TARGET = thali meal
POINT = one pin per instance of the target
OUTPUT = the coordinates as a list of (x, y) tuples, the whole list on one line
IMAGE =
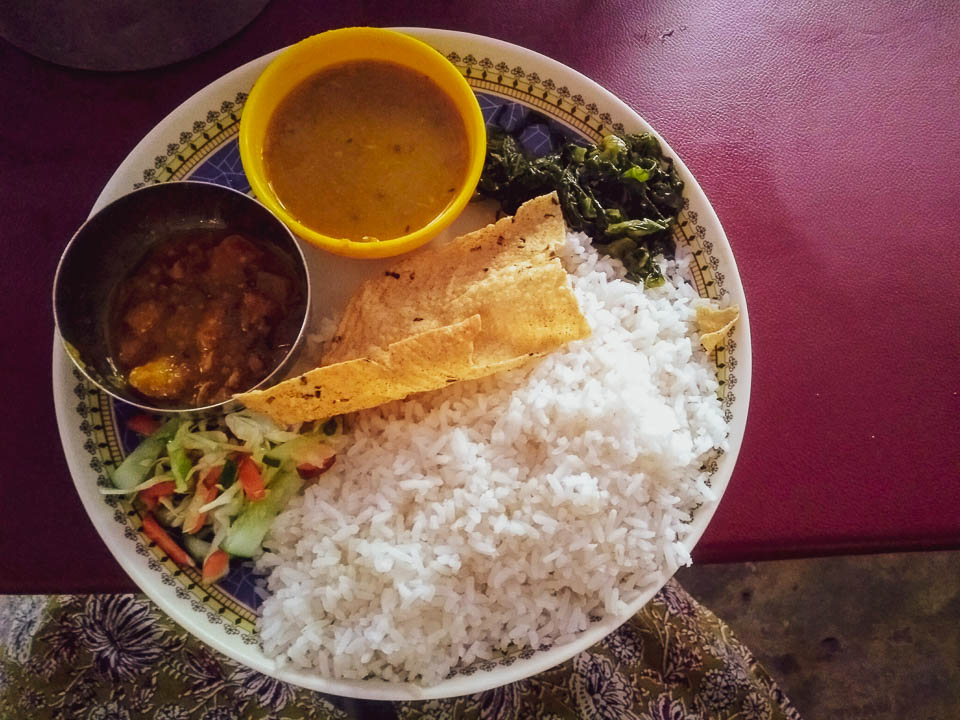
[(366, 150), (504, 435), (203, 316)]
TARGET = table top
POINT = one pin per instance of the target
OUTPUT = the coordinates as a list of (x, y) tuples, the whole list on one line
[(825, 138)]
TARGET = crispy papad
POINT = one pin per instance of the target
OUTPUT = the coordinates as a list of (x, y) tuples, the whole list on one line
[(507, 272), (480, 304), (426, 361)]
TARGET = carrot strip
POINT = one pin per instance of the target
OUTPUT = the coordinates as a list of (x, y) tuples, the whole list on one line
[(251, 480), (209, 490), (215, 566), (152, 494), (159, 490), (152, 530), (213, 476)]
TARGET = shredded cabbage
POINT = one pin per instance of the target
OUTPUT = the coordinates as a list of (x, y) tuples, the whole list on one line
[(150, 482), (222, 499), (254, 428)]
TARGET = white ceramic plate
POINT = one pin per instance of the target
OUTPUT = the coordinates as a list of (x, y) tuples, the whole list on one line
[(540, 101)]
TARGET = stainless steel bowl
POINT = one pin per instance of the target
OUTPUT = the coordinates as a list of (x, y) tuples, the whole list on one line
[(113, 241)]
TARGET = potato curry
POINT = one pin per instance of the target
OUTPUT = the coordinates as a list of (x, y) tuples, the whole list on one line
[(201, 318)]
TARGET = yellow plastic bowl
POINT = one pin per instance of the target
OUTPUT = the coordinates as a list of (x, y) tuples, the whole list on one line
[(335, 47)]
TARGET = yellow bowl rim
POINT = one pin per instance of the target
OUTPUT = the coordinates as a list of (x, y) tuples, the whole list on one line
[(259, 101)]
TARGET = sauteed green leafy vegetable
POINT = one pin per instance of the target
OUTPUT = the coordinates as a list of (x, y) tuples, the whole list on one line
[(624, 193)]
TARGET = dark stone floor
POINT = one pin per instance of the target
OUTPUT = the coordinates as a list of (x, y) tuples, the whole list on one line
[(867, 637)]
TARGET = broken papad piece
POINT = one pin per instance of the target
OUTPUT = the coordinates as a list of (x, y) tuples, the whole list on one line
[(507, 272), (427, 361), (715, 323)]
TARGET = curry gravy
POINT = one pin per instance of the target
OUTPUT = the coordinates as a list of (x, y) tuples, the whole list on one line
[(203, 316), (366, 150)]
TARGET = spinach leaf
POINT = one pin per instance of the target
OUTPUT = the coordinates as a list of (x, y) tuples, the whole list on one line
[(623, 193)]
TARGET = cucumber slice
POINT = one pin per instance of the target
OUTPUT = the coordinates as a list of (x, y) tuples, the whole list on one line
[(198, 549), (248, 530), (138, 464)]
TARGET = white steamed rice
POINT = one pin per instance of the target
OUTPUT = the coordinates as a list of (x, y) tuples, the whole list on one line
[(506, 510)]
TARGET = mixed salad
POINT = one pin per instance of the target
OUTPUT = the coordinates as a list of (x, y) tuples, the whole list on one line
[(208, 489)]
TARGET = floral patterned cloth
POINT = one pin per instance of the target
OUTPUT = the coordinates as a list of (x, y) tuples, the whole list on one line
[(118, 657)]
